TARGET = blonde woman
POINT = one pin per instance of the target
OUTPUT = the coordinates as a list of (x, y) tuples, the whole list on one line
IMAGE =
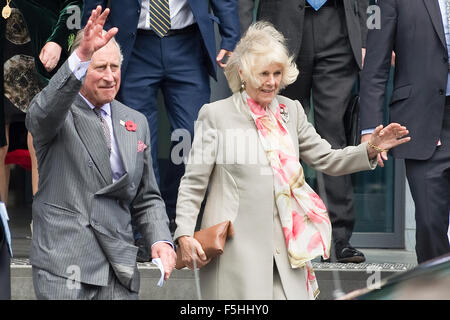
[(247, 149)]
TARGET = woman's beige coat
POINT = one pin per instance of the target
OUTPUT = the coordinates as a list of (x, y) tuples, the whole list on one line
[(227, 155)]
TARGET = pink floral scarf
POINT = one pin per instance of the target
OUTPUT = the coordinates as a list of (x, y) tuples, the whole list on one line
[(304, 217)]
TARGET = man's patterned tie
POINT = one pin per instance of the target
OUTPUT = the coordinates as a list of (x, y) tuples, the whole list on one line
[(106, 131), (159, 17)]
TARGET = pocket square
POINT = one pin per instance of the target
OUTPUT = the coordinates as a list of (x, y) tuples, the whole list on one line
[(141, 146)]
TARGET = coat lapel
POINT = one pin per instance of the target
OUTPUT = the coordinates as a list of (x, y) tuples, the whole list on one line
[(241, 106), (126, 140), (436, 18), (91, 133)]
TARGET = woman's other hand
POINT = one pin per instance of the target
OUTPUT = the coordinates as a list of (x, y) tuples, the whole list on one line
[(191, 250), (383, 139), (381, 157)]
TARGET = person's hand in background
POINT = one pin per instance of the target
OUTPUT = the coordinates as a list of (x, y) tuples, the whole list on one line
[(222, 57), (50, 54)]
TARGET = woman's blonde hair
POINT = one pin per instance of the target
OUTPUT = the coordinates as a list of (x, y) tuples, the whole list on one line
[(260, 46)]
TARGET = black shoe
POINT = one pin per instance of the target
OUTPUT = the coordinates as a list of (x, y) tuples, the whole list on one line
[(347, 255), (350, 255), (143, 254)]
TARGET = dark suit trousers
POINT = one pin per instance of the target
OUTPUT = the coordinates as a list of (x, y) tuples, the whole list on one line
[(429, 181), (5, 267), (176, 65), (328, 71)]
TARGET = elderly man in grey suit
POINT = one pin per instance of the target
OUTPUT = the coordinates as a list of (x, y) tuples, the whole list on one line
[(96, 176)]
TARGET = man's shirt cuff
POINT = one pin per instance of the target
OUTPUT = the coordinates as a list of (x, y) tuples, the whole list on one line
[(168, 242), (78, 67), (367, 131)]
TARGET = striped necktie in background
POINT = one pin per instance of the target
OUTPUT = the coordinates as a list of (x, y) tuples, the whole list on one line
[(159, 17)]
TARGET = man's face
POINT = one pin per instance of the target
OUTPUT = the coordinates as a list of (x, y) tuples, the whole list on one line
[(103, 76)]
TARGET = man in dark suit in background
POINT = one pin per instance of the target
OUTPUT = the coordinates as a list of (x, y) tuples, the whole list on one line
[(96, 177), (327, 41), (418, 32), (179, 63)]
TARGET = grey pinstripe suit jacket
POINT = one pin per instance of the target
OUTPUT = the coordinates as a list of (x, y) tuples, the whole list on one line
[(81, 218)]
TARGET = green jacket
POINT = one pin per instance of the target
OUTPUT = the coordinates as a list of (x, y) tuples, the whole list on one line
[(47, 21)]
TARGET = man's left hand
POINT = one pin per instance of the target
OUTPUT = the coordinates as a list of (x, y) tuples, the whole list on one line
[(220, 57), (168, 257)]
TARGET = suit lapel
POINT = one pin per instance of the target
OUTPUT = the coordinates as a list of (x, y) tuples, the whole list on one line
[(436, 18), (126, 140), (90, 132)]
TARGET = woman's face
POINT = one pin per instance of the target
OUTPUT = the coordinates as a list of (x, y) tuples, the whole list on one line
[(269, 79)]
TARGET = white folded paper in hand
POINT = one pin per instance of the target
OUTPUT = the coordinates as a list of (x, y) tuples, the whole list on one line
[(158, 263)]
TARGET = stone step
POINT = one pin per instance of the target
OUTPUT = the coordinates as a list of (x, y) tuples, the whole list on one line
[(181, 285), (336, 279)]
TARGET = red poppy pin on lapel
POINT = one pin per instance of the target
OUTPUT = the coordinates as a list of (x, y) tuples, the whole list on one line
[(129, 125), (284, 113)]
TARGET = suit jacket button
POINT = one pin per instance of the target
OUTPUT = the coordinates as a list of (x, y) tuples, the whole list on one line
[(441, 92), (90, 163)]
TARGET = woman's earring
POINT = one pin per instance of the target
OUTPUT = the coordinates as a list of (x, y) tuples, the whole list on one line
[(242, 85)]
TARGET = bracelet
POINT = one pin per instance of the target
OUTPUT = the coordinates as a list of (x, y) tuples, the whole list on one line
[(377, 148)]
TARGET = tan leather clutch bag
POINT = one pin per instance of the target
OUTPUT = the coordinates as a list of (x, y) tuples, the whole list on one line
[(212, 240)]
